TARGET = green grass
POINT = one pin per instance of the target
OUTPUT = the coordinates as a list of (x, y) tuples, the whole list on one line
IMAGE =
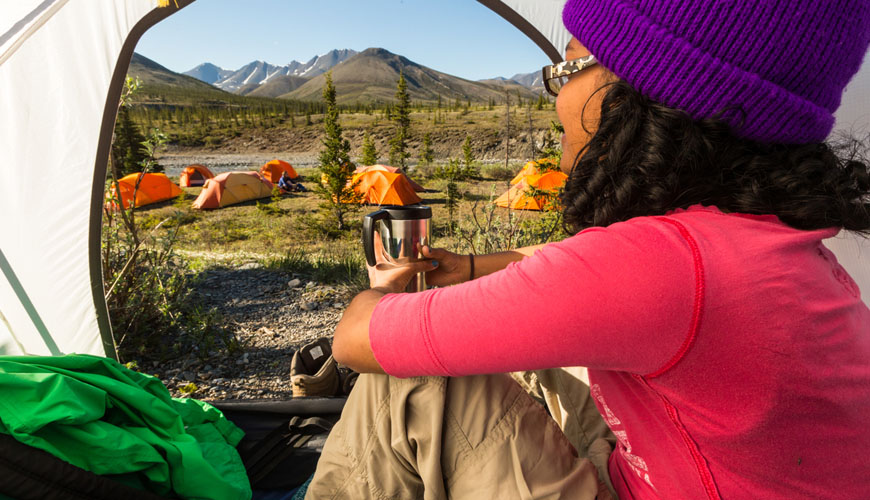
[(283, 227)]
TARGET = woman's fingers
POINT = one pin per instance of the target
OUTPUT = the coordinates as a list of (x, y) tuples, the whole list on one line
[(433, 253)]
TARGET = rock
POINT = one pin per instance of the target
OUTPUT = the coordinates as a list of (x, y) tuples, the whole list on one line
[(337, 305), (188, 376), (295, 282), (309, 306), (249, 266)]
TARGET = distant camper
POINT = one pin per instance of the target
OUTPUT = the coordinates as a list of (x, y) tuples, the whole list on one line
[(289, 185)]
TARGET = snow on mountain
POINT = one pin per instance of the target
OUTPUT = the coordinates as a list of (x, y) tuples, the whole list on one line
[(252, 75), (323, 63), (533, 80), (208, 73)]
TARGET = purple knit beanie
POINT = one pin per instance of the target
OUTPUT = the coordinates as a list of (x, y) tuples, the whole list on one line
[(783, 63)]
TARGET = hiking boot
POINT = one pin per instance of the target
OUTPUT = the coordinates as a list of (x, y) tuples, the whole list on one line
[(313, 370), (347, 379)]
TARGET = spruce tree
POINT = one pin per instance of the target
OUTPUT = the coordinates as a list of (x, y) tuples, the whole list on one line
[(369, 152), (427, 155), (335, 159), (127, 146), (468, 155), (401, 115)]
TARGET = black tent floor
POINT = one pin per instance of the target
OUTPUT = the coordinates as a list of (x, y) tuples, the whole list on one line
[(32, 474), (259, 417)]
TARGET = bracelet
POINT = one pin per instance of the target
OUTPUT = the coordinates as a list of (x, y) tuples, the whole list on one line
[(471, 260)]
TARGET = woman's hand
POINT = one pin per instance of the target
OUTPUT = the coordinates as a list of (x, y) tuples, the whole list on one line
[(389, 277), (394, 278), (452, 268)]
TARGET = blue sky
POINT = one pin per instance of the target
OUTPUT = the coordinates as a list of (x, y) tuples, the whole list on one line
[(458, 37)]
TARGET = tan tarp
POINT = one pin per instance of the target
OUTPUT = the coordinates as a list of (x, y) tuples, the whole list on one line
[(232, 187)]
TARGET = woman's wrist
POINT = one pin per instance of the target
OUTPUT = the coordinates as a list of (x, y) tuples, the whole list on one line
[(481, 265)]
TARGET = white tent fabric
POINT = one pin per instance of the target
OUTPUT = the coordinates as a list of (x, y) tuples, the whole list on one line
[(57, 58), (540, 20), (62, 64)]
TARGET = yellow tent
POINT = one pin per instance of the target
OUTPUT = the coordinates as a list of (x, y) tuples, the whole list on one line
[(232, 187), (519, 197)]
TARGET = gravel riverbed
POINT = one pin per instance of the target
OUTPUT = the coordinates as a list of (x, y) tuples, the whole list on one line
[(272, 314)]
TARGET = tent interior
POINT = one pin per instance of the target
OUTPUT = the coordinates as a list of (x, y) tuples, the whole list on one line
[(194, 175), (66, 124)]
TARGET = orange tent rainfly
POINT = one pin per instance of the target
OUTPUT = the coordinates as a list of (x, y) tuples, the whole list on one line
[(378, 187), (272, 171), (535, 167), (194, 175), (152, 188), (519, 197), (395, 170), (232, 187)]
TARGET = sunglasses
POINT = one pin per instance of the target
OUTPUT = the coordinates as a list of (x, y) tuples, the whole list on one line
[(556, 75)]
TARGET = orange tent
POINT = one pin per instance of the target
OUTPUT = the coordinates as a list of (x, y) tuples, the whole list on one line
[(533, 167), (232, 187), (378, 187), (394, 170), (152, 188), (272, 170), (518, 196), (194, 175)]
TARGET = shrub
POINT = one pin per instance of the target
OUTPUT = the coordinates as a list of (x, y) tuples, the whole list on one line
[(454, 170), (494, 229), (334, 266), (147, 291), (498, 172)]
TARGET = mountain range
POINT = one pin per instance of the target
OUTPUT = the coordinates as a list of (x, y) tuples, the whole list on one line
[(366, 77), (255, 74)]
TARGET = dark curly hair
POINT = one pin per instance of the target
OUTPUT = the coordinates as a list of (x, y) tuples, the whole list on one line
[(648, 159)]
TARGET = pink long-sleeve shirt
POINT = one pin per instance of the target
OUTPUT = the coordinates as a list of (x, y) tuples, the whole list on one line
[(729, 353)]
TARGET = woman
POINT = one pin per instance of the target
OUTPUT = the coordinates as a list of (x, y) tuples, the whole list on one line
[(728, 352)]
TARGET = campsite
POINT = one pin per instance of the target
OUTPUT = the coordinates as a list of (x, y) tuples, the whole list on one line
[(190, 241), (277, 282)]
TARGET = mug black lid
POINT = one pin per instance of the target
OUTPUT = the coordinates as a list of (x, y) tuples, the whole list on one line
[(408, 212)]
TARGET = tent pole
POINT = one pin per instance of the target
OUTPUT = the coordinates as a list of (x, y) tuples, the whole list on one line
[(526, 27)]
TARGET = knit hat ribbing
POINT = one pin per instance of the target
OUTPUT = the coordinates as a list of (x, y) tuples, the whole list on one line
[(783, 63)]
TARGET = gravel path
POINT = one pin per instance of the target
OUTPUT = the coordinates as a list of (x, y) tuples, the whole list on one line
[(218, 163), (272, 314)]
